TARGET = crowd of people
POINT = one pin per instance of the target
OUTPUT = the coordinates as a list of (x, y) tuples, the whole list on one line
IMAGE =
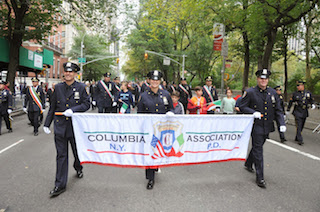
[(153, 96)]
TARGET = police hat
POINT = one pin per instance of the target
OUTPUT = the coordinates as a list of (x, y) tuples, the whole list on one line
[(208, 78), (300, 82), (69, 66), (34, 79), (278, 87), (155, 75), (108, 74), (2, 82), (183, 78), (263, 73), (116, 78)]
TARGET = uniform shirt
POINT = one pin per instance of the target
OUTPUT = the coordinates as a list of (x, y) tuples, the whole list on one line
[(266, 102), (102, 97), (155, 103), (145, 87), (29, 101), (212, 92), (50, 93), (301, 101), (74, 97), (185, 93), (5, 101)]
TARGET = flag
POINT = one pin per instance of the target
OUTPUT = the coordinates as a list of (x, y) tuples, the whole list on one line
[(123, 108), (214, 105), (177, 146), (237, 97), (157, 148)]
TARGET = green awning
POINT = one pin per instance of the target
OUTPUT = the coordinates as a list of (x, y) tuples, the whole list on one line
[(4, 50)]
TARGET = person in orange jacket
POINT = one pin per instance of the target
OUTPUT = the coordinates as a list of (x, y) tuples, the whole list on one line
[(197, 104)]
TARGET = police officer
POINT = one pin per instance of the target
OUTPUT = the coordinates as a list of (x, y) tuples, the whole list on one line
[(146, 84), (5, 106), (209, 93), (35, 101), (185, 92), (281, 134), (172, 87), (50, 93), (154, 101), (69, 97), (117, 85), (302, 100), (105, 92), (264, 103)]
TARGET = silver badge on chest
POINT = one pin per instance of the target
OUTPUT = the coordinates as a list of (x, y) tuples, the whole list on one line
[(76, 95), (165, 100), (273, 99)]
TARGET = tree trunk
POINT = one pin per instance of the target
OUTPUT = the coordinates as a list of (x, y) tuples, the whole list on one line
[(245, 82), (308, 48), (271, 38), (285, 63)]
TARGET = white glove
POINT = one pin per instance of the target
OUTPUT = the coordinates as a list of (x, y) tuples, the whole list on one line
[(285, 117), (46, 130), (43, 110), (114, 104), (47, 104), (313, 106), (283, 128), (257, 115), (25, 110), (287, 113), (94, 103), (9, 111), (217, 110), (68, 113), (170, 113)]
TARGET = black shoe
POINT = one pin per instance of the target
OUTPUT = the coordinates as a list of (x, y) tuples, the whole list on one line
[(80, 174), (30, 124), (283, 140), (261, 183), (248, 168), (36, 134), (57, 191), (10, 131), (300, 142), (150, 184)]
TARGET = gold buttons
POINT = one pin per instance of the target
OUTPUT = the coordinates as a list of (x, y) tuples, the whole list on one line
[(67, 118), (156, 104), (157, 110)]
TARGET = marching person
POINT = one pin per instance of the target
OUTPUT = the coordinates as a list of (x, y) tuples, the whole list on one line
[(125, 97), (281, 134), (117, 85), (69, 97), (264, 103), (209, 92), (154, 101), (197, 104), (146, 84), (92, 93), (50, 93), (177, 106), (185, 92), (302, 100), (105, 92), (172, 87), (5, 106), (35, 102)]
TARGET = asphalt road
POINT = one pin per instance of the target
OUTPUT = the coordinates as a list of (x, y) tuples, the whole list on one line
[(27, 174)]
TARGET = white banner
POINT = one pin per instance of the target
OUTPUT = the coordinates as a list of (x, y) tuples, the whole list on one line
[(143, 140)]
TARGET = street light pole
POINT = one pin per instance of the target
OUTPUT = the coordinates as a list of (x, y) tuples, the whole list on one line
[(183, 62), (81, 56)]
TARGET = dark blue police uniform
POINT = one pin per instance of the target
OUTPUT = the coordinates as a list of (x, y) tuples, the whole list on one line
[(34, 110), (281, 134), (185, 94), (154, 103), (210, 94), (102, 97), (301, 101), (266, 102), (5, 104), (76, 98)]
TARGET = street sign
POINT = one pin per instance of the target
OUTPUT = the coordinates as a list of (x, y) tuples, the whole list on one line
[(82, 60), (166, 61), (224, 49), (218, 31)]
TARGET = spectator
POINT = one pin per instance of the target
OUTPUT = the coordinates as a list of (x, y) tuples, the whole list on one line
[(228, 103), (197, 104), (177, 106)]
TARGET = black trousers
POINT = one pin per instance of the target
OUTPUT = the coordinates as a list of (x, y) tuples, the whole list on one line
[(256, 154), (6, 120), (150, 174), (62, 159), (104, 109), (281, 134), (299, 125), (115, 109), (34, 118)]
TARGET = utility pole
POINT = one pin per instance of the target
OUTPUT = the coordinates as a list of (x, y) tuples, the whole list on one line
[(183, 63), (81, 56)]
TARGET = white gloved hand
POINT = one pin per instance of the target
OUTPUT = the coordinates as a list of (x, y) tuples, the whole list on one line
[(283, 128), (257, 115), (287, 113), (94, 103), (217, 110), (46, 130), (284, 117), (47, 104), (114, 104), (170, 113), (25, 110), (9, 111), (68, 113), (313, 106), (43, 110)]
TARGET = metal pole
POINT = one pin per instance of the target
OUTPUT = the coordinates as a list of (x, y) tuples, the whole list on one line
[(183, 61), (81, 62), (222, 75)]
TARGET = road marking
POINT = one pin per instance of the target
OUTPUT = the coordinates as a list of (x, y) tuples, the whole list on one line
[(294, 150), (12, 145)]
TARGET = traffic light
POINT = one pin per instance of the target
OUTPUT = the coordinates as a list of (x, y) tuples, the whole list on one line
[(146, 56), (118, 60)]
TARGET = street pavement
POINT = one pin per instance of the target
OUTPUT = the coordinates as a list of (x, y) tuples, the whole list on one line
[(27, 174)]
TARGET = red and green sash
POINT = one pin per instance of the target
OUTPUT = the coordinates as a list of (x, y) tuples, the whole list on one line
[(35, 97), (185, 90), (106, 88), (208, 92)]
